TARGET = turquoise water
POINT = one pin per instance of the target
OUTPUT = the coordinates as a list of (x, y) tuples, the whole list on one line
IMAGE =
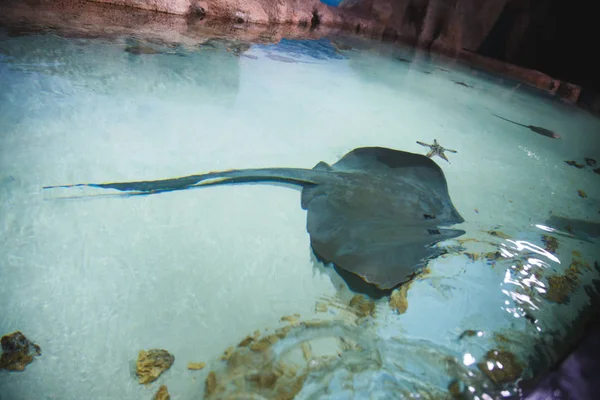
[(94, 279)]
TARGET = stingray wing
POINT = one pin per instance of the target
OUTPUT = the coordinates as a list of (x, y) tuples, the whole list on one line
[(380, 248), (380, 214)]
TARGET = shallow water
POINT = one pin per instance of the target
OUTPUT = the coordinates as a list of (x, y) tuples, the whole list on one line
[(95, 279)]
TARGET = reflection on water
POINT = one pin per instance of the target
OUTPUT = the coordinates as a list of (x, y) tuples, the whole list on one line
[(199, 272), (321, 49), (139, 67)]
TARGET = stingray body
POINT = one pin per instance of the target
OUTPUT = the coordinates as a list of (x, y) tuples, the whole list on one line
[(376, 213), (536, 129)]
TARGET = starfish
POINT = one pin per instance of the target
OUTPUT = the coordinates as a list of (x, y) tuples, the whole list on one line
[(436, 149)]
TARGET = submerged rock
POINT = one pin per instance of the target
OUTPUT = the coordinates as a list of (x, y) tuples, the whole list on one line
[(470, 333), (550, 243), (162, 394), (501, 366), (362, 306), (398, 299), (498, 234), (254, 369), (196, 366), (17, 352), (152, 363), (562, 286), (210, 384)]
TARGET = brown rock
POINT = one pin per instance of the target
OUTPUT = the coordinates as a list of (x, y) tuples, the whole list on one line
[(17, 352), (227, 353), (180, 7), (362, 306), (492, 256), (321, 307), (211, 384), (562, 286), (501, 366), (455, 389), (162, 394), (569, 92), (253, 369), (292, 319), (196, 366), (470, 333), (152, 363), (398, 299), (528, 76), (550, 243), (310, 12)]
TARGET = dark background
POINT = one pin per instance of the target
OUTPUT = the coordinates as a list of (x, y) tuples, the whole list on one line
[(561, 39)]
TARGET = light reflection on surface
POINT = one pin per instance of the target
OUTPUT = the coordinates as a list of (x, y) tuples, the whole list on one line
[(524, 245), (545, 228), (468, 359)]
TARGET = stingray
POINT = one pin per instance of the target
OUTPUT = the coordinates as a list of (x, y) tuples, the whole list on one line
[(536, 129), (376, 213), (404, 60), (463, 84), (575, 164), (581, 229)]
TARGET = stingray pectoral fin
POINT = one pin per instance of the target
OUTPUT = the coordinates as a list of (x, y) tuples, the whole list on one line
[(290, 175), (384, 250), (384, 265), (389, 264)]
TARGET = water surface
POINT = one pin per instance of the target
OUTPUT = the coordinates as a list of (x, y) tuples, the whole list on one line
[(93, 280)]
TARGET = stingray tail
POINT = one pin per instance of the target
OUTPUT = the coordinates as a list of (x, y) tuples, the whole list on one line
[(508, 120), (288, 175)]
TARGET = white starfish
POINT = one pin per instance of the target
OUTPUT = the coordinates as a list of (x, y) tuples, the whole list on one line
[(436, 149)]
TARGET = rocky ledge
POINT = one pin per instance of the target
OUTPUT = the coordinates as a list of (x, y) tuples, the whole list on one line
[(452, 29), (306, 12)]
